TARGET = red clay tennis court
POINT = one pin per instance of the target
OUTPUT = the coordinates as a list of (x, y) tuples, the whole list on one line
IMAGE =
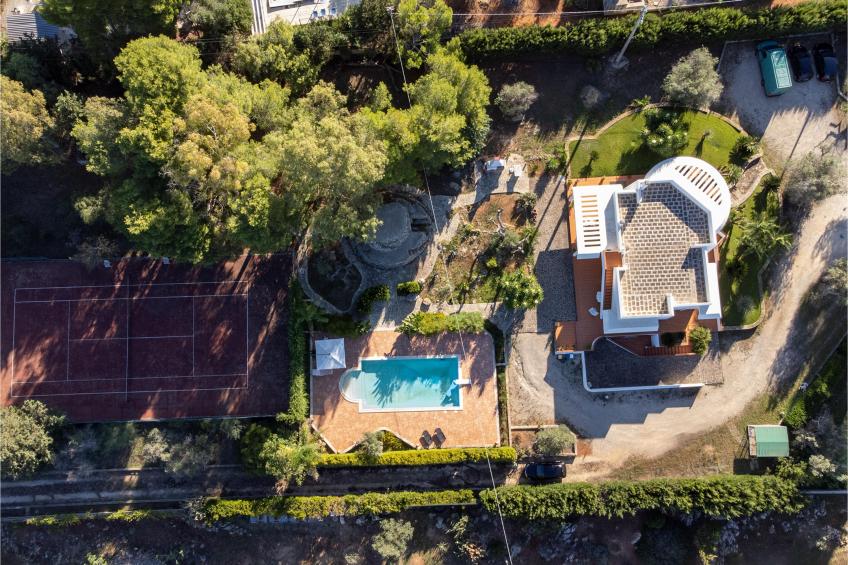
[(155, 341)]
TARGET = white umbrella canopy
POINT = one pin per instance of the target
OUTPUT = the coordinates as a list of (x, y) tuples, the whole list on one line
[(329, 354)]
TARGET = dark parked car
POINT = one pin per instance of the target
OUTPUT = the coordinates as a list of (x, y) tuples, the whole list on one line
[(825, 59), (802, 62), (544, 471)]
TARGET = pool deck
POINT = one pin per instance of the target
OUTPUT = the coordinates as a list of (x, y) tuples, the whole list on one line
[(342, 425)]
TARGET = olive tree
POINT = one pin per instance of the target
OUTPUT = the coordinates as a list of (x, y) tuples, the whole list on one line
[(553, 441), (814, 178), (515, 99), (694, 81), (393, 540)]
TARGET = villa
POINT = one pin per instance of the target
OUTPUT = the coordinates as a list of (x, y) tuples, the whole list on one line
[(645, 258), (416, 387)]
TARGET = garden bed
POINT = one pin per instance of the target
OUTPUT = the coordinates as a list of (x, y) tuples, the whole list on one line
[(741, 296), (468, 278), (621, 150)]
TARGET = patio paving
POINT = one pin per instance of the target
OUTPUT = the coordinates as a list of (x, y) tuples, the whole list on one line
[(609, 365), (342, 425)]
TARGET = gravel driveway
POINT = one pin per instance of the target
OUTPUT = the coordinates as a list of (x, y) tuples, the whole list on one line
[(790, 125)]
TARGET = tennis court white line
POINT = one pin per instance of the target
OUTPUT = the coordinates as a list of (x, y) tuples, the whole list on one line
[(90, 380), (132, 337), (157, 391), (127, 298), (14, 349), (68, 345), (192, 336), (128, 285)]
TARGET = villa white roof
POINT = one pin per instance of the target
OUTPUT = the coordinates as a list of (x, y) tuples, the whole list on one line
[(329, 354), (664, 226)]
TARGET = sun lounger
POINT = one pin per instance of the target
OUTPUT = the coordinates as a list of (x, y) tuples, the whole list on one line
[(439, 436), (426, 439)]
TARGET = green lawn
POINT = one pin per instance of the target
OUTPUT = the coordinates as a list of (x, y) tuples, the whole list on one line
[(741, 300), (621, 151)]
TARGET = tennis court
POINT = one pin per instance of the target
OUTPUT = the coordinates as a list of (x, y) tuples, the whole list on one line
[(146, 345)]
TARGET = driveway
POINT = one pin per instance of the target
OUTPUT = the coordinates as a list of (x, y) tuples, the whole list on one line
[(791, 125), (544, 390)]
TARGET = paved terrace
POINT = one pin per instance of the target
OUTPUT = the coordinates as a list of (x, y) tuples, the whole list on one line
[(342, 425)]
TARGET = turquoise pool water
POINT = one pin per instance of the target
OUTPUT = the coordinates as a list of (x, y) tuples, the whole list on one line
[(403, 383)]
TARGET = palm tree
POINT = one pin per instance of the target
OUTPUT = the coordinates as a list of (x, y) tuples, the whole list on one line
[(761, 236)]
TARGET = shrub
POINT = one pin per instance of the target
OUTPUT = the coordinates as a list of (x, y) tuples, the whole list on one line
[(700, 338), (251, 445), (693, 81), (596, 36), (828, 386), (432, 323), (515, 99), (408, 288), (491, 263), (413, 457), (744, 149), (731, 173), (291, 460), (303, 507), (553, 441), (525, 203), (371, 446), (372, 295), (520, 289), (771, 183), (26, 440), (391, 442), (727, 496), (814, 178), (665, 133), (393, 540)]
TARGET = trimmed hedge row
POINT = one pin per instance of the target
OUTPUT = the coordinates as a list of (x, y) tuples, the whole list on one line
[(597, 36), (301, 507), (432, 323), (722, 496), (420, 457), (298, 394)]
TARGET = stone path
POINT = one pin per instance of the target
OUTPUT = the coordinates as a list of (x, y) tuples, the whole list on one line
[(552, 258)]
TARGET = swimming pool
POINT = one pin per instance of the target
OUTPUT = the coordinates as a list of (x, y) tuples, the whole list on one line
[(393, 384)]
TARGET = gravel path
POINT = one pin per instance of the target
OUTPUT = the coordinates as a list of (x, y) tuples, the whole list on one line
[(648, 425), (552, 258)]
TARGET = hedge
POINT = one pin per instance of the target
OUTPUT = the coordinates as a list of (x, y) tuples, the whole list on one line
[(421, 457), (408, 288), (721, 496), (302, 507), (432, 323), (597, 36), (298, 392)]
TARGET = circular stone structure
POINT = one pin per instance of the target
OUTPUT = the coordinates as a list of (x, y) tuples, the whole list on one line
[(394, 226), (406, 229)]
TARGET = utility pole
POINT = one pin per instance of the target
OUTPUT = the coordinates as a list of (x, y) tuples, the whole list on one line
[(619, 61)]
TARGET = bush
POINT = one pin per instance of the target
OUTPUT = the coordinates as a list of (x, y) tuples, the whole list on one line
[(291, 460), (413, 457), (432, 323), (392, 443), (744, 149), (26, 440), (727, 496), (700, 338), (393, 540), (515, 99), (371, 446), (596, 36), (666, 133), (303, 507), (553, 441), (408, 288), (693, 81), (370, 296), (251, 445), (520, 289)]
